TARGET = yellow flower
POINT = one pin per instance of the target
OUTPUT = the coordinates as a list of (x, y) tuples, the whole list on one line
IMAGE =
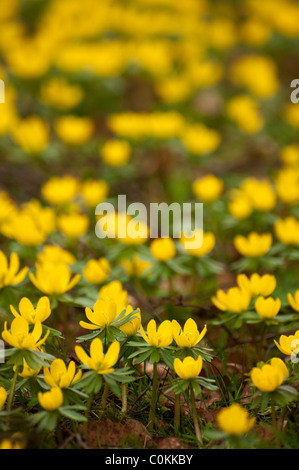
[(96, 271), (199, 140), (288, 344), (52, 254), (235, 420), (97, 361), (3, 396), (114, 292), (239, 205), (269, 376), (189, 336), (52, 279), (287, 230), (163, 249), (189, 368), (103, 314), (51, 400), (58, 375), (27, 371), (34, 232), (294, 300), (17, 441), (244, 111), (267, 308), (94, 192), (73, 225), (19, 336), (287, 185), (208, 243), (260, 193), (257, 285), (74, 130), (135, 266), (59, 93), (254, 244), (116, 152), (208, 188), (290, 155), (9, 275), (131, 327), (235, 300), (31, 314), (31, 134), (161, 337), (60, 190)]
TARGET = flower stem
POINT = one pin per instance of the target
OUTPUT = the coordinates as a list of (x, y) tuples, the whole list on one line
[(177, 411), (195, 417), (12, 390), (85, 425), (273, 413), (151, 417), (124, 397), (105, 395)]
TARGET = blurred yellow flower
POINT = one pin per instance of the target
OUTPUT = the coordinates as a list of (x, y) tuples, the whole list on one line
[(31, 134), (163, 249), (54, 254), (60, 190), (94, 191), (74, 130), (235, 300), (267, 308), (239, 204), (3, 396), (199, 140), (287, 230), (116, 152), (254, 244), (207, 188), (234, 420), (257, 285), (289, 155), (73, 225), (208, 243), (9, 275), (96, 271), (260, 192), (244, 111), (288, 344), (294, 300), (53, 279), (59, 93)]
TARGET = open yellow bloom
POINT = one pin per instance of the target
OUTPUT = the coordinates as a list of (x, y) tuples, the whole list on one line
[(189, 368), (257, 285), (51, 400), (254, 244), (19, 336), (116, 152), (269, 376), (267, 308), (235, 300), (294, 300), (103, 314), (27, 371), (163, 249), (260, 192), (58, 375), (9, 275), (239, 205), (31, 134), (113, 291), (97, 361), (31, 314), (52, 279), (288, 344), (188, 336), (52, 254), (208, 243), (135, 266), (235, 420), (94, 192), (3, 396), (287, 230), (161, 337), (96, 271)]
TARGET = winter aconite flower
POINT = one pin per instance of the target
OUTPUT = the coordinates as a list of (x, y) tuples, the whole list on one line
[(163, 249), (287, 230), (3, 396), (294, 300), (254, 244), (58, 375), (103, 314), (9, 275), (51, 400), (208, 243), (31, 314), (269, 376), (60, 190), (257, 285), (188, 336), (189, 368), (97, 361), (20, 337), (96, 271), (235, 300), (234, 420), (208, 188), (288, 344), (267, 308), (160, 337), (131, 327), (52, 279), (116, 152)]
